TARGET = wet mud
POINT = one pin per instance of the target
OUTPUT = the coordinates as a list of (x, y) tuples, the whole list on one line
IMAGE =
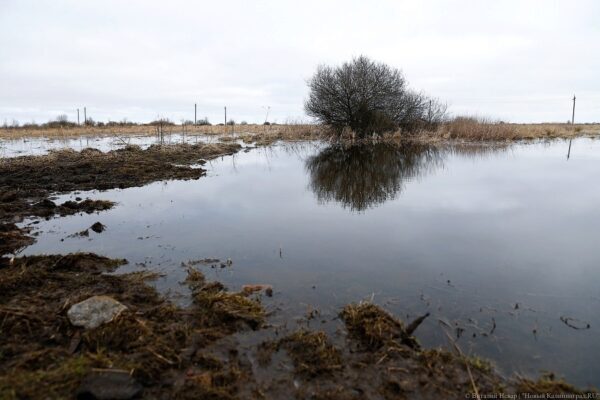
[(156, 349)]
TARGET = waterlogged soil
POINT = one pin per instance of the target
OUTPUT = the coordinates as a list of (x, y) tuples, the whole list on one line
[(222, 344), (27, 183), (157, 349)]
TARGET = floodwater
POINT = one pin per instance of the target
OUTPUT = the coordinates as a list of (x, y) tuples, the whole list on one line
[(500, 245), (42, 145)]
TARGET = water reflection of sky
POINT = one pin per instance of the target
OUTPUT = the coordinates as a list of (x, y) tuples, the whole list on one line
[(42, 145), (466, 238)]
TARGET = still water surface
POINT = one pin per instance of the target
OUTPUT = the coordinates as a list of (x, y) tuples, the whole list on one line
[(498, 244)]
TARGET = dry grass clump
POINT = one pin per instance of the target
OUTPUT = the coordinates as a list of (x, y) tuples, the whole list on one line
[(374, 327), (312, 353), (219, 308)]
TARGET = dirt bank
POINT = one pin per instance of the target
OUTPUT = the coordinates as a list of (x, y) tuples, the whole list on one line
[(155, 349), (27, 183)]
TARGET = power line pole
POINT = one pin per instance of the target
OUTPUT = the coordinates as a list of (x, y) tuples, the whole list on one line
[(78, 116), (84, 116), (573, 116), (225, 115), (195, 112)]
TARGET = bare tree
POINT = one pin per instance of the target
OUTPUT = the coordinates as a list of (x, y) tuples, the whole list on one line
[(368, 97)]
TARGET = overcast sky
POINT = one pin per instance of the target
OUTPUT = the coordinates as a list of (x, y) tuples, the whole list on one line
[(518, 61)]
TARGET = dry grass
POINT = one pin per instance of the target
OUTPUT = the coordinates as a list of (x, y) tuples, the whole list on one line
[(312, 353), (374, 327), (288, 131), (471, 129), (482, 129)]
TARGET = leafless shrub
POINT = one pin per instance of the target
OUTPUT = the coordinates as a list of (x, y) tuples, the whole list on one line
[(369, 97), (62, 121)]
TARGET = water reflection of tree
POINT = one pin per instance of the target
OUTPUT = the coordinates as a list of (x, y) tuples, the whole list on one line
[(364, 176)]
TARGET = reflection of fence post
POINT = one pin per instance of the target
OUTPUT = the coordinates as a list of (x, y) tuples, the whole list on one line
[(573, 116)]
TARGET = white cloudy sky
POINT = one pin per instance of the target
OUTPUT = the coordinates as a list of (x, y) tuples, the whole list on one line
[(518, 61)]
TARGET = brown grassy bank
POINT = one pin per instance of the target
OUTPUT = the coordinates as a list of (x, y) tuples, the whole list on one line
[(481, 129), (460, 128), (285, 131)]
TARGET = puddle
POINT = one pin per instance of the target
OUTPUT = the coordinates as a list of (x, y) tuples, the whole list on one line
[(42, 145), (496, 243)]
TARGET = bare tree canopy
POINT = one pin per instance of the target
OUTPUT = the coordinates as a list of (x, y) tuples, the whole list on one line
[(369, 97)]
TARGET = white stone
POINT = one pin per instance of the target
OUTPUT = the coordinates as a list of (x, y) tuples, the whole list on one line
[(95, 311)]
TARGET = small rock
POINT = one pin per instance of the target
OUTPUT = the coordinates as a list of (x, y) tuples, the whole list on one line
[(95, 311), (105, 385), (46, 203), (98, 227)]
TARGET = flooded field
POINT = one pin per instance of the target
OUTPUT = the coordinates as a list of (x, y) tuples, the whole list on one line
[(42, 145), (498, 244)]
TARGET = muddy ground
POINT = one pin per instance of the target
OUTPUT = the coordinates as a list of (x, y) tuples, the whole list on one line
[(156, 349), (28, 183)]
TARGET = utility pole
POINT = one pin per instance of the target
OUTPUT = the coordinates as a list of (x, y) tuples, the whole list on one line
[(195, 112), (84, 116), (78, 116), (225, 115), (573, 116)]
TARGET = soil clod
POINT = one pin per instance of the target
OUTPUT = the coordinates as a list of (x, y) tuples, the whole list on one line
[(109, 385)]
